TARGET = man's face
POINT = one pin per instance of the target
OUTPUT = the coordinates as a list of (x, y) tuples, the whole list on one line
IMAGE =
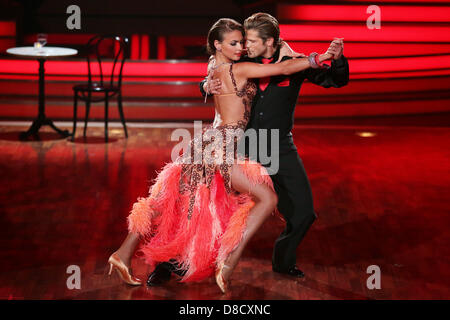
[(254, 44)]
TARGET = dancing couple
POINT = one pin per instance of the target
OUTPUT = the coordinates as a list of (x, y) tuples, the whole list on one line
[(199, 217)]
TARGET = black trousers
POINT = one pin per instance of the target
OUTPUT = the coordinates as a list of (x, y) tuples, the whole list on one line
[(295, 203)]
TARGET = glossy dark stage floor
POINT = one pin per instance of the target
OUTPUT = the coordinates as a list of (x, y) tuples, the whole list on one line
[(382, 199)]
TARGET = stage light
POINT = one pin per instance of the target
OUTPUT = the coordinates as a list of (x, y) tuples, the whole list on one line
[(366, 134)]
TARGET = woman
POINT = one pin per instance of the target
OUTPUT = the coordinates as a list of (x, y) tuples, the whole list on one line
[(203, 214)]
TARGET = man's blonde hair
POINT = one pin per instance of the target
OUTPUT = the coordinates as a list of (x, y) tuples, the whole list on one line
[(266, 25)]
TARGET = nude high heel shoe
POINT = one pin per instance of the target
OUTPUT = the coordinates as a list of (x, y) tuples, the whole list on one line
[(115, 263), (220, 281)]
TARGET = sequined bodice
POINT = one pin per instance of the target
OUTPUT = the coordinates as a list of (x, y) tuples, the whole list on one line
[(213, 148)]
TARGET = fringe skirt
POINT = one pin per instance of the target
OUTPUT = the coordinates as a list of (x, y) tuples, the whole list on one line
[(192, 215)]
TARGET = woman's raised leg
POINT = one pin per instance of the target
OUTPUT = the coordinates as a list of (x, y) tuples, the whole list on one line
[(265, 202)]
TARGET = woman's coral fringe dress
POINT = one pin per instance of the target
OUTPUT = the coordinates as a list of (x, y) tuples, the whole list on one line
[(192, 214)]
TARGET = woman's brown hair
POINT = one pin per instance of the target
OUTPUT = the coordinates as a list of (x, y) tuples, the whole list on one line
[(218, 30)]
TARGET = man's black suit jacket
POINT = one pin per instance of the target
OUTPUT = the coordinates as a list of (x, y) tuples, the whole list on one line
[(273, 108)]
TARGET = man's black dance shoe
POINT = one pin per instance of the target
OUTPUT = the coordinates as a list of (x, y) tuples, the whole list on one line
[(293, 271), (160, 275), (163, 271)]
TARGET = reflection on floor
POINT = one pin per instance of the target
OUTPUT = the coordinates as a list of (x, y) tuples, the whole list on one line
[(382, 199)]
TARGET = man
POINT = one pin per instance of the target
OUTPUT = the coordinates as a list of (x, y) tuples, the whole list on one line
[(273, 108)]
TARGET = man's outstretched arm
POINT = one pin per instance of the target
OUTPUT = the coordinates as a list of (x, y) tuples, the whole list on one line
[(336, 75)]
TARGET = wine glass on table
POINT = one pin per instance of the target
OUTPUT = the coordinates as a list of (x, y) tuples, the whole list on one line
[(41, 42)]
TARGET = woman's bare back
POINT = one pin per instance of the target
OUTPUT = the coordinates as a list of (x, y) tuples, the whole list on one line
[(233, 105)]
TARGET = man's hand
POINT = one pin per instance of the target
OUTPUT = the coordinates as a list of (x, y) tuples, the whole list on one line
[(285, 50), (212, 86), (336, 48)]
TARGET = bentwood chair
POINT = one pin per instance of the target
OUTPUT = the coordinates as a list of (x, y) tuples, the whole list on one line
[(105, 60)]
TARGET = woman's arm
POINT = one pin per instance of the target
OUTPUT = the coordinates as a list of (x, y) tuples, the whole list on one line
[(286, 50), (256, 70)]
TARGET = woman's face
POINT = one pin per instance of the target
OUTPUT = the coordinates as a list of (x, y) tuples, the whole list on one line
[(231, 45)]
